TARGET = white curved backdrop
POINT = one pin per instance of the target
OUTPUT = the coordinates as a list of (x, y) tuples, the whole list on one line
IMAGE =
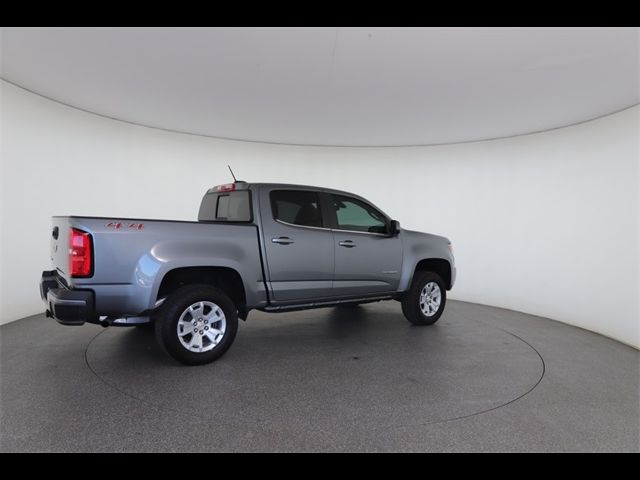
[(545, 224)]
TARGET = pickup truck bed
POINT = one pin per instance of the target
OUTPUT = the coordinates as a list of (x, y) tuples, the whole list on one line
[(133, 253)]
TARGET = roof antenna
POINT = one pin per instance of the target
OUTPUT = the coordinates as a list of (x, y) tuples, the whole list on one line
[(234, 177)]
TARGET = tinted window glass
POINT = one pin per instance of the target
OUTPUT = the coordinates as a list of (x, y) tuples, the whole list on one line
[(225, 207), (222, 209), (297, 207), (355, 215)]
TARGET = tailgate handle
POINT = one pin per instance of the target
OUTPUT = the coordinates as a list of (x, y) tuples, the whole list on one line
[(54, 234)]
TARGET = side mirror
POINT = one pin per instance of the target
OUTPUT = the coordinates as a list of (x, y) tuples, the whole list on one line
[(394, 228)]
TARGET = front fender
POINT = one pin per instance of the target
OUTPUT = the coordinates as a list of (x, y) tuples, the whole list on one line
[(420, 246)]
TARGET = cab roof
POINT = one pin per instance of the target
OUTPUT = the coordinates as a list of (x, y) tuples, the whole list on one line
[(241, 185)]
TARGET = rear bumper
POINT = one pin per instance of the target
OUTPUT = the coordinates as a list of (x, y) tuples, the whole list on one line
[(66, 306)]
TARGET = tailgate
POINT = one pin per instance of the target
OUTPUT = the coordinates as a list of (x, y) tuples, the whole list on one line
[(59, 250)]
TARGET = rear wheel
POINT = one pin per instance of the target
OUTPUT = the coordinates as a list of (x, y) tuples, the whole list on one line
[(424, 303), (197, 324), (145, 327)]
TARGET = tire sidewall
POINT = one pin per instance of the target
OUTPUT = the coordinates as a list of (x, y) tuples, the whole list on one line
[(418, 316), (174, 307)]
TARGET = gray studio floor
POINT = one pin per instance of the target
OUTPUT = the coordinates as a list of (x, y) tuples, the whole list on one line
[(360, 379)]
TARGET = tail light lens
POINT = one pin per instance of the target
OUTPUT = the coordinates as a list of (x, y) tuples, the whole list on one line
[(80, 252)]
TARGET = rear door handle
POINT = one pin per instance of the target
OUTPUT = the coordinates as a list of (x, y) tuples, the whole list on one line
[(347, 243), (282, 240)]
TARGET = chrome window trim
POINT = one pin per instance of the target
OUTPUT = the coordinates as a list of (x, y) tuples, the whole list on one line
[(363, 233), (300, 226), (330, 229)]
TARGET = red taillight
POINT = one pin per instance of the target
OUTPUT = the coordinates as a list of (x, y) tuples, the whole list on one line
[(80, 253), (229, 187)]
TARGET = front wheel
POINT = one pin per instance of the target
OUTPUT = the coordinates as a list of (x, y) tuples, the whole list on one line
[(197, 324), (424, 303)]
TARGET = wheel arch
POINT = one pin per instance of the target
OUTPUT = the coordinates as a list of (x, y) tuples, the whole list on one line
[(436, 265), (226, 279)]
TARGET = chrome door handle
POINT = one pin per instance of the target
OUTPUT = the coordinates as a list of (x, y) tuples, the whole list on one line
[(282, 240), (347, 243)]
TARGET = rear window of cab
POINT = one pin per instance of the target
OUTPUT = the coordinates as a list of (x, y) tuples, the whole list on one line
[(225, 207)]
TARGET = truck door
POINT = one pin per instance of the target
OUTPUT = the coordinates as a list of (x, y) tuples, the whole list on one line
[(299, 246), (368, 261)]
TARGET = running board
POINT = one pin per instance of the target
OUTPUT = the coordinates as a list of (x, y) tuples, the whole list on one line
[(332, 303)]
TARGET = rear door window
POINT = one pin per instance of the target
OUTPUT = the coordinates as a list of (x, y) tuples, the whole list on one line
[(296, 207)]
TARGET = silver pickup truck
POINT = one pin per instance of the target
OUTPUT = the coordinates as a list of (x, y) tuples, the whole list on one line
[(271, 247)]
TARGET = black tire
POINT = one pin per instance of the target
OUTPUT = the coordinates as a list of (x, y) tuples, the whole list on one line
[(411, 299), (166, 325), (145, 327)]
